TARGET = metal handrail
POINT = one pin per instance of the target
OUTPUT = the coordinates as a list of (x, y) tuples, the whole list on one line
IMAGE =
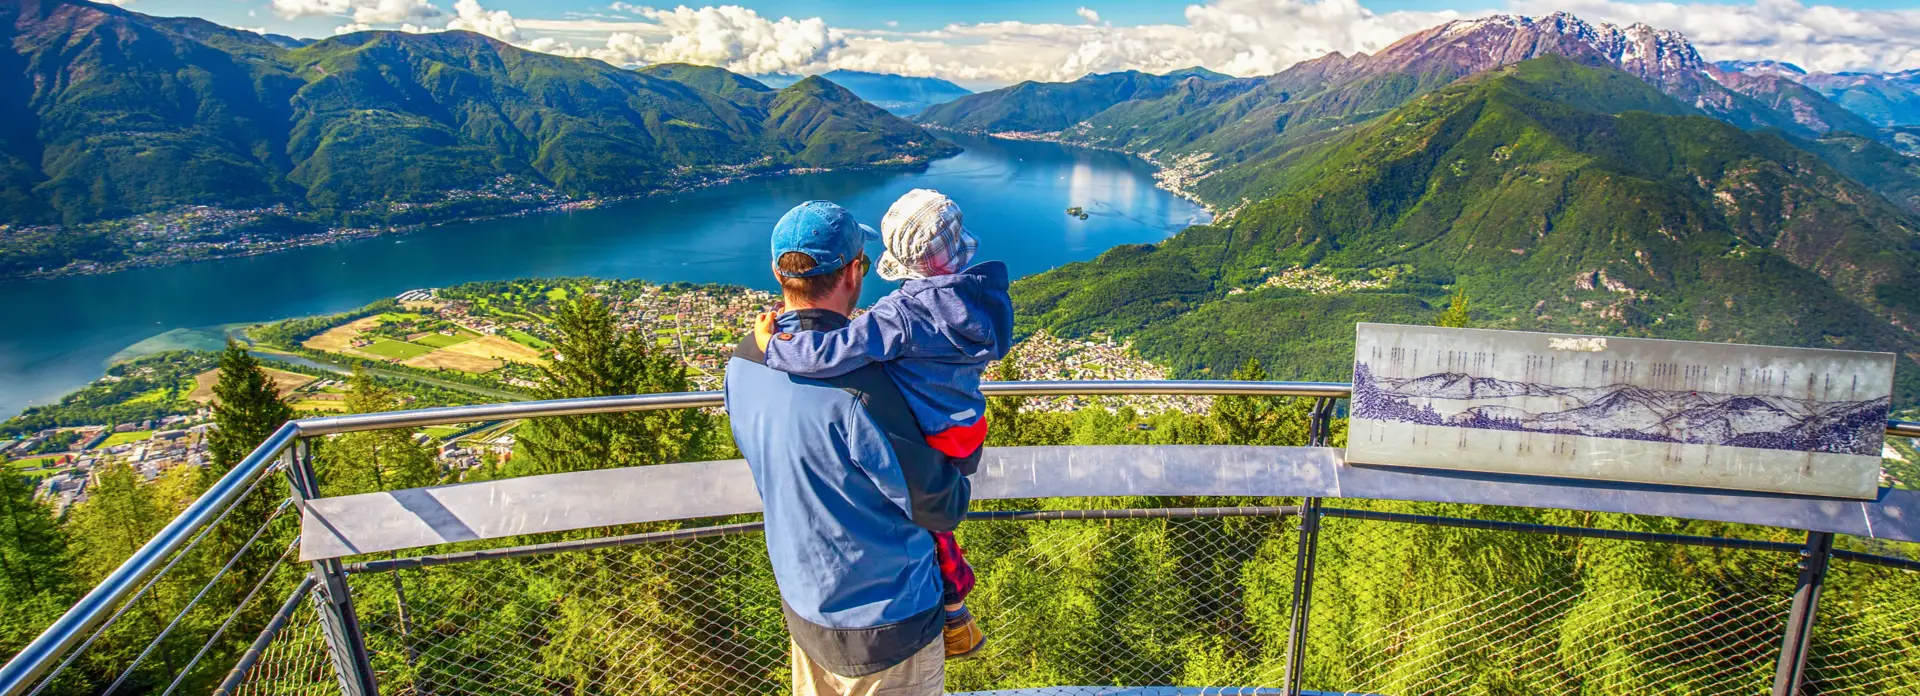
[(20, 672), (34, 660), (330, 425)]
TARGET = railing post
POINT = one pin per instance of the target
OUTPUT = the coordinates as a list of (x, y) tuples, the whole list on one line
[(346, 643), (1320, 423), (1319, 434), (1303, 559), (1806, 601)]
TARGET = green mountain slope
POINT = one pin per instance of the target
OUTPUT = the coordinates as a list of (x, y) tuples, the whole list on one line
[(1881, 168), (108, 114), (1047, 106), (898, 94), (706, 77), (1561, 197), (117, 113), (823, 124)]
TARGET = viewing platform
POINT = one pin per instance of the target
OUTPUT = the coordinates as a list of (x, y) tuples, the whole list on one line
[(1109, 569)]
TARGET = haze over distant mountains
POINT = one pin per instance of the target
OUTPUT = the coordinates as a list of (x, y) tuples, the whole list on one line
[(1886, 99), (900, 94)]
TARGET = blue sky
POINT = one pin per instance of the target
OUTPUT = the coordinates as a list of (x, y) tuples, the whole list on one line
[(985, 43)]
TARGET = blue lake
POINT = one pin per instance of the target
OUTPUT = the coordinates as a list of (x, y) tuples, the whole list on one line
[(57, 335)]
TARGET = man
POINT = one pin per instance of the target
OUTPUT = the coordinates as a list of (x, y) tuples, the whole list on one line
[(850, 486)]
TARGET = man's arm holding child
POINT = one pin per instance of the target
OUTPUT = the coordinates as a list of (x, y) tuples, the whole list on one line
[(879, 335)]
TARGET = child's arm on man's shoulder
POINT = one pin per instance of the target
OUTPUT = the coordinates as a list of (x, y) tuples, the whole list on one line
[(879, 335)]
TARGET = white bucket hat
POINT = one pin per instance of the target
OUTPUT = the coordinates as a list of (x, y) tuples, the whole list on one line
[(924, 237)]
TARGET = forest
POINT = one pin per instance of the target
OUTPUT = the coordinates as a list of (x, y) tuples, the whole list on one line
[(1397, 607)]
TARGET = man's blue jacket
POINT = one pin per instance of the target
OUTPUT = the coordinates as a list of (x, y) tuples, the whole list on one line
[(851, 490)]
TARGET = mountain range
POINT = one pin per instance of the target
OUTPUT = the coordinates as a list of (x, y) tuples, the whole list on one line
[(1248, 117), (1053, 106), (1570, 193), (109, 113), (899, 94), (1886, 99)]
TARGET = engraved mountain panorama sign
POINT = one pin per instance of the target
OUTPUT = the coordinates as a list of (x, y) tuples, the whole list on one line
[(1756, 418)]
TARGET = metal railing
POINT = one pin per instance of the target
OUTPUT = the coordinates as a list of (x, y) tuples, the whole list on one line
[(59, 645)]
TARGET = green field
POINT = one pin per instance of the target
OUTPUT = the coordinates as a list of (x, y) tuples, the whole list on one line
[(38, 474), (398, 350), (154, 396), (124, 438), (30, 463), (527, 339), (320, 405), (441, 432), (442, 340)]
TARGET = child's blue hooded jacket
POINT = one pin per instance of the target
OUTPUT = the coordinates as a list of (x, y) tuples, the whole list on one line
[(933, 336)]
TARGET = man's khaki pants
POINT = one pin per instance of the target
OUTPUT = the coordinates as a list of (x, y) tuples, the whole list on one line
[(924, 674)]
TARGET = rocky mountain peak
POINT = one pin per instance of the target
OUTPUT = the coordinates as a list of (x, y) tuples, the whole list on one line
[(1468, 46)]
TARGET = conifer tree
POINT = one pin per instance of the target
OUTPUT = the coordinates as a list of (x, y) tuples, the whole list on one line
[(35, 567), (593, 356), (247, 409), (1260, 420), (123, 512), (374, 460), (1004, 419), (1456, 316)]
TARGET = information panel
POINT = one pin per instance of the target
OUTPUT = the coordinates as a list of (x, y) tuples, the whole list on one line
[(1755, 418)]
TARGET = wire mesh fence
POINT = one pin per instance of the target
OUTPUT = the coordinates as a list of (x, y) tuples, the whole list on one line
[(185, 626), (1196, 604), (1529, 613), (1194, 601), (1866, 638), (295, 663)]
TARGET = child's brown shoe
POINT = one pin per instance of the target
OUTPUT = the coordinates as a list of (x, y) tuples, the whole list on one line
[(963, 636)]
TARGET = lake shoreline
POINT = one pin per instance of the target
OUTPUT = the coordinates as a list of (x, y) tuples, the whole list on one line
[(1170, 184), (337, 235), (64, 331)]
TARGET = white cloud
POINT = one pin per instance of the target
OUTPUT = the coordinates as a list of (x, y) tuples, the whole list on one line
[(1816, 37), (367, 12), (1238, 37), (470, 16), (741, 40), (350, 27)]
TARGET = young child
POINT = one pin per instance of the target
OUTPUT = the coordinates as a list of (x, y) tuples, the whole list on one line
[(934, 336)]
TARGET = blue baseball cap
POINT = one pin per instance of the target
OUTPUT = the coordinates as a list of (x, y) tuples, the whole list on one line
[(824, 232)]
